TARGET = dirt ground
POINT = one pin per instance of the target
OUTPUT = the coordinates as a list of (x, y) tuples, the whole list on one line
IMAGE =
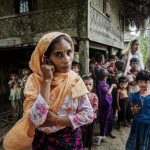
[(113, 144)]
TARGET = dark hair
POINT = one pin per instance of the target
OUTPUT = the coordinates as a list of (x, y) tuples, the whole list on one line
[(134, 60), (99, 57), (56, 40), (14, 72), (87, 77), (101, 74), (136, 40), (122, 79), (143, 75), (75, 63), (120, 65), (112, 57)]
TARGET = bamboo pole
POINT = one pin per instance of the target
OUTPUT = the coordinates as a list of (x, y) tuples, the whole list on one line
[(148, 48)]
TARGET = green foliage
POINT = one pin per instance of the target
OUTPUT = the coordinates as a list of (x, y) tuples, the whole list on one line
[(144, 41)]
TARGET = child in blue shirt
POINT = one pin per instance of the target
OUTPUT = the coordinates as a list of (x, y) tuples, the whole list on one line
[(139, 138)]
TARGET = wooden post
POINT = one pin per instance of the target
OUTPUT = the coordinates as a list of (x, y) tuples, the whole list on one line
[(83, 31), (84, 56), (148, 47)]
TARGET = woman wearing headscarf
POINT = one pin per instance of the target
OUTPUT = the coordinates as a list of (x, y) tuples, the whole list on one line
[(133, 52), (56, 102)]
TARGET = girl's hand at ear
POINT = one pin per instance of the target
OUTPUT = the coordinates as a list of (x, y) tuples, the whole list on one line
[(47, 69)]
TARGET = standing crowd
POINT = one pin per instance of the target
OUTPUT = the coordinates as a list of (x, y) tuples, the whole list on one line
[(16, 96), (61, 107)]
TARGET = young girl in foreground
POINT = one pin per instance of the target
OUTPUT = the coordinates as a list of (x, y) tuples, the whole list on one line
[(56, 102), (139, 138), (105, 104)]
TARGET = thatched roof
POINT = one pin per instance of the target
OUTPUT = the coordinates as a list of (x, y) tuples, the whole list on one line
[(136, 11)]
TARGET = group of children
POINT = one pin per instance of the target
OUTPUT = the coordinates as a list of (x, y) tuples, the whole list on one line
[(111, 87), (16, 96), (108, 91)]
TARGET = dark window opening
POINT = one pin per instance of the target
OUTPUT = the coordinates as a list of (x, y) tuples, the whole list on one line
[(24, 6)]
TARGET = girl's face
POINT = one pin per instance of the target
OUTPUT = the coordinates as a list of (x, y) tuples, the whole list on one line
[(143, 84), (112, 62), (123, 85), (25, 72), (135, 47), (75, 69), (134, 65), (89, 84), (101, 60), (13, 76), (61, 56)]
